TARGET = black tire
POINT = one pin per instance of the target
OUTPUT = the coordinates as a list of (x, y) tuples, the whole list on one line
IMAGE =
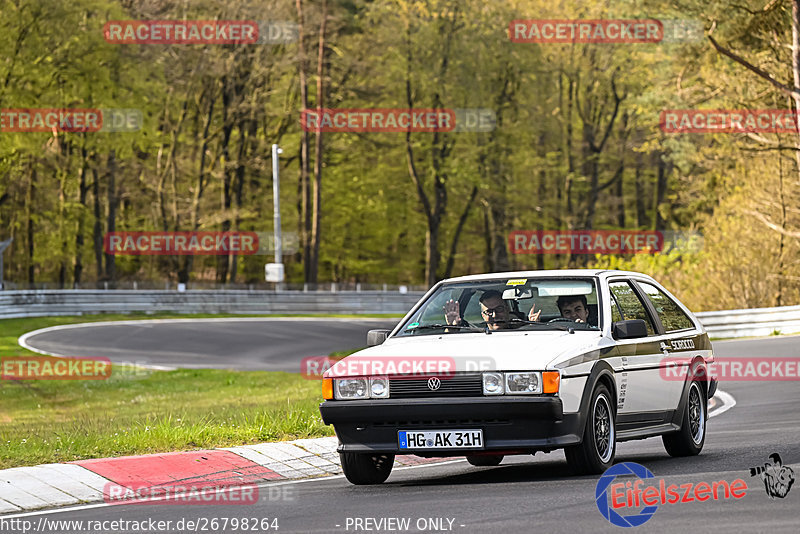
[(689, 440), (596, 451), (485, 460), (365, 468)]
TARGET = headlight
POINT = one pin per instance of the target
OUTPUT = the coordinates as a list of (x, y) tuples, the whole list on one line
[(376, 387), (522, 383), (379, 387), (351, 388), (493, 383)]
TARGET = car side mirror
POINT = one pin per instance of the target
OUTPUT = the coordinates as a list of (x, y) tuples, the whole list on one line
[(629, 329), (376, 337)]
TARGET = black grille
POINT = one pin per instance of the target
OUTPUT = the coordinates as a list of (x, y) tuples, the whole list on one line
[(457, 385)]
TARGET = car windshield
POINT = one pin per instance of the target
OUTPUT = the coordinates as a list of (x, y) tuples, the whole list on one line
[(507, 304)]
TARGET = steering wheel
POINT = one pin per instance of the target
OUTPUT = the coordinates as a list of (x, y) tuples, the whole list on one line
[(560, 320)]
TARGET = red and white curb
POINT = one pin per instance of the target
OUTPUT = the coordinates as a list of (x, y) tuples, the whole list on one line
[(88, 481)]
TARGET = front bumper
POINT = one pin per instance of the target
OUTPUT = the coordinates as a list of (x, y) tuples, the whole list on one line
[(509, 424)]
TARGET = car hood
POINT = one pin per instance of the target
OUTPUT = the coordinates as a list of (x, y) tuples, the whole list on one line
[(505, 351)]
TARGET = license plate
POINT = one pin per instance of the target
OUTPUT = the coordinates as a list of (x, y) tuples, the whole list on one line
[(440, 439)]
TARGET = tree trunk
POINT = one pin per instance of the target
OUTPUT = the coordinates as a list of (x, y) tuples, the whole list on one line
[(660, 191), (318, 154), (83, 190), (112, 200), (30, 226), (796, 71), (227, 130), (641, 208), (305, 190), (448, 270), (97, 228), (186, 269)]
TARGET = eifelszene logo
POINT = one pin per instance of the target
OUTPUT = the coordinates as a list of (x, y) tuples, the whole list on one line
[(629, 496)]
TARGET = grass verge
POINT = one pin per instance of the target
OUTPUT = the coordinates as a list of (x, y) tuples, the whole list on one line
[(138, 411)]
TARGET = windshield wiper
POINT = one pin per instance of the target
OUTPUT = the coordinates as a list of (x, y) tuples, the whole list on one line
[(569, 329), (432, 326)]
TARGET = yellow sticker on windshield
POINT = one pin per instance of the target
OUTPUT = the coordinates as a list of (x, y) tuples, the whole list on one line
[(517, 282)]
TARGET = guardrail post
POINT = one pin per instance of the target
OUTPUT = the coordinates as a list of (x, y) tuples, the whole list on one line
[(333, 287)]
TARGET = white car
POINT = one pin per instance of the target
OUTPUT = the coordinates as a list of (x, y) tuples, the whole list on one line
[(498, 364)]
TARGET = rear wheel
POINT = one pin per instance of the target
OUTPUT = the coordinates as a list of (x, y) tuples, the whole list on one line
[(365, 468), (595, 453), (485, 460), (689, 440)]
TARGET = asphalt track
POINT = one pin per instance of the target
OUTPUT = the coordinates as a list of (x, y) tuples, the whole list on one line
[(248, 344), (536, 494)]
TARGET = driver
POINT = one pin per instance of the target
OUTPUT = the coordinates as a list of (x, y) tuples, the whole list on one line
[(494, 310)]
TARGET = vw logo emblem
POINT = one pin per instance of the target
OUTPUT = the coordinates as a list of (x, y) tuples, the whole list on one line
[(434, 383)]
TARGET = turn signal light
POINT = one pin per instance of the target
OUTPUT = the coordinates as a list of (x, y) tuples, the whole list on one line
[(327, 388), (551, 380)]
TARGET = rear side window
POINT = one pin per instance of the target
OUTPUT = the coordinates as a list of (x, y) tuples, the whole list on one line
[(630, 305), (671, 315)]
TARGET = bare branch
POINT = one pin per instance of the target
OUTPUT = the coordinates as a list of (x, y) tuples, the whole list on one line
[(772, 226), (760, 72)]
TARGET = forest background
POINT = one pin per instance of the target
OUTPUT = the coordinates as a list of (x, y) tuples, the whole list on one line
[(577, 143)]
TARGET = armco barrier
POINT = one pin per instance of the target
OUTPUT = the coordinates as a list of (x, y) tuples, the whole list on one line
[(753, 322), (39, 303)]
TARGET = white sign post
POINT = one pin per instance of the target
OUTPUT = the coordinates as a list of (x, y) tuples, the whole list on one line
[(274, 271)]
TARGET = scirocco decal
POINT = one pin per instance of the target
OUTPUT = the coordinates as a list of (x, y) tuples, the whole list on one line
[(682, 344)]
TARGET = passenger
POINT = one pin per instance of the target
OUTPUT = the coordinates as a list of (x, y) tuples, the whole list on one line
[(574, 308)]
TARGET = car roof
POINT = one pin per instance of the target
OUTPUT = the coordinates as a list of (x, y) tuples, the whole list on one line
[(546, 273)]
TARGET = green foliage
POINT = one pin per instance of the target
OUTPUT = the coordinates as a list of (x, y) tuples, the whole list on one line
[(577, 143)]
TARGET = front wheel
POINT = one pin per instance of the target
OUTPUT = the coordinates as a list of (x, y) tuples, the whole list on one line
[(595, 453), (364, 469), (689, 440)]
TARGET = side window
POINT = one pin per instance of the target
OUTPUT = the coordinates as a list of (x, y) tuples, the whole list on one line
[(671, 315), (615, 315), (632, 307)]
